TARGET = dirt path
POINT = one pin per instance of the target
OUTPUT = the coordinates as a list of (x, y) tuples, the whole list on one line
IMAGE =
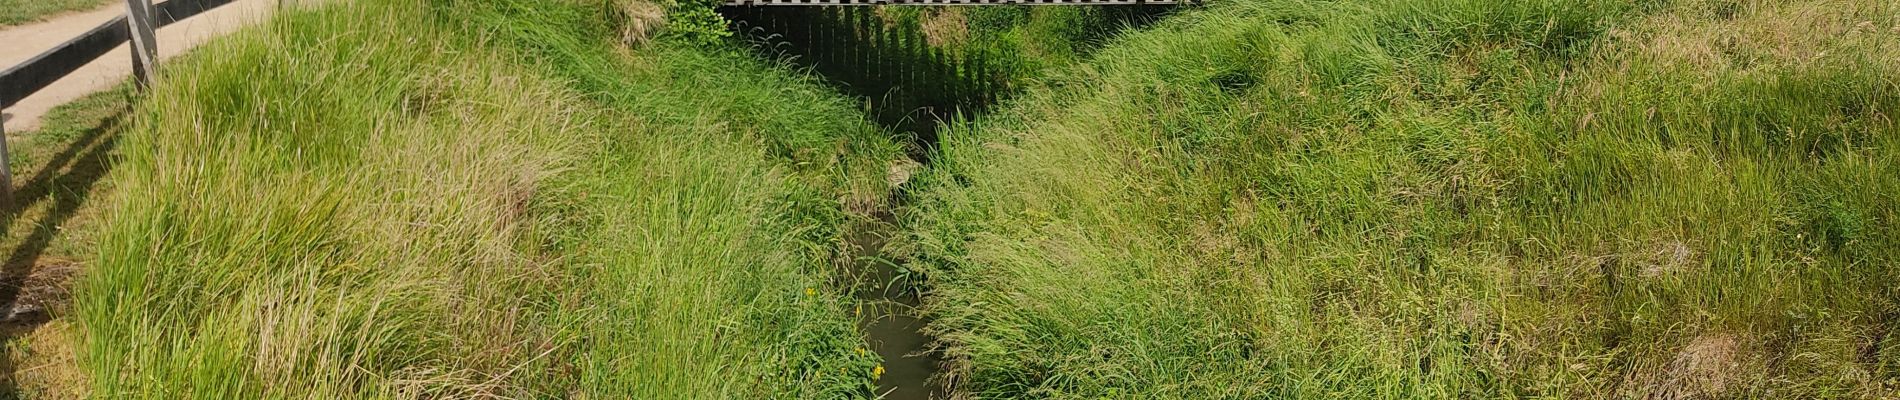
[(22, 42)]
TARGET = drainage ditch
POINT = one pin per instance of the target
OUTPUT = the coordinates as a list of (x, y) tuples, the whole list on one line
[(911, 86)]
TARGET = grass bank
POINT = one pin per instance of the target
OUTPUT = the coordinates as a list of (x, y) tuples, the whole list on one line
[(19, 12), (1434, 198), (466, 199)]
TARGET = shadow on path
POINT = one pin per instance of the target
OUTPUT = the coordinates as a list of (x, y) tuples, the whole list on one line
[(32, 289)]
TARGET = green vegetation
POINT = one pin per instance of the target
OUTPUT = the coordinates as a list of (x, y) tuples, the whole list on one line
[(463, 199), (1024, 43), (17, 12), (1435, 198), (695, 21), (1252, 199)]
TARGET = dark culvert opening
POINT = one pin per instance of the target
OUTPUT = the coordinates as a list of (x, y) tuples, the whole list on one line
[(908, 81), (911, 84), (905, 83)]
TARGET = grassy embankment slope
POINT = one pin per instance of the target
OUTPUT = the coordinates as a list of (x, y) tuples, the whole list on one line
[(385, 199), (1436, 198)]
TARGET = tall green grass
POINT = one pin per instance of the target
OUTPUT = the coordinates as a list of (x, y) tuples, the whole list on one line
[(473, 199), (723, 293), (1435, 198)]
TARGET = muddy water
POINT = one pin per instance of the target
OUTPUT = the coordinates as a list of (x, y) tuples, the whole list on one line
[(888, 315), (908, 88)]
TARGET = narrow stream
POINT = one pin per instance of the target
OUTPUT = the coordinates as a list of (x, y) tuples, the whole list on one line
[(888, 317), (911, 87)]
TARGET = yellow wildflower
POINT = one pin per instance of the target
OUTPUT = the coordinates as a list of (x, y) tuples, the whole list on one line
[(877, 372), (811, 292)]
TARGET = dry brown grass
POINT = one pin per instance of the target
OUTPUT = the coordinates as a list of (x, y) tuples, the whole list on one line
[(1715, 35), (38, 358), (43, 362), (900, 171), (1666, 258), (945, 27), (1714, 365), (639, 21)]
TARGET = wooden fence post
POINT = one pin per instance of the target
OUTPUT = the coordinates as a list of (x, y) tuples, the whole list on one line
[(138, 17), (6, 168)]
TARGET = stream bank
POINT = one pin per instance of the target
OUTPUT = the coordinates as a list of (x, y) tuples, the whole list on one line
[(915, 70)]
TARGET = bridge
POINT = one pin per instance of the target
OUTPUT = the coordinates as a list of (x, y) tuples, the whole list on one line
[(749, 3)]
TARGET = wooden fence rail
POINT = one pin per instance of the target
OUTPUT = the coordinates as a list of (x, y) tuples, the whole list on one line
[(139, 25)]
